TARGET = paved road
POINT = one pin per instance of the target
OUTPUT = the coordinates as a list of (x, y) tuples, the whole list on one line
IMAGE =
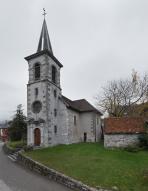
[(16, 178)]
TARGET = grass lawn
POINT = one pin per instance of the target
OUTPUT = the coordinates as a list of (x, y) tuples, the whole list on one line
[(96, 166)]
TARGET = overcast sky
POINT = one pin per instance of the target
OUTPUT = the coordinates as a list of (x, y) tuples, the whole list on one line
[(95, 40)]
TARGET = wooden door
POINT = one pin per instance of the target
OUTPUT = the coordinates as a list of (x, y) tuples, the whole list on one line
[(37, 137)]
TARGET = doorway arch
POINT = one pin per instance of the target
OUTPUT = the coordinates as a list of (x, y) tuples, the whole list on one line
[(37, 137)]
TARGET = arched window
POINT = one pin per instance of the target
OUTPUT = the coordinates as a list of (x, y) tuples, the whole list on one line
[(54, 74), (37, 71)]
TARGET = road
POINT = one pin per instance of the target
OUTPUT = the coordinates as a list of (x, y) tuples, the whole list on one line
[(14, 177)]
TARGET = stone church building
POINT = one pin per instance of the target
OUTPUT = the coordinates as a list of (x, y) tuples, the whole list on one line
[(52, 118)]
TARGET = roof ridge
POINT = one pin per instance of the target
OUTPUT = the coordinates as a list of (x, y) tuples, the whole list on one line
[(80, 99)]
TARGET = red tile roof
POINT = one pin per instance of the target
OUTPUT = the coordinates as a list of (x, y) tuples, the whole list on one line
[(125, 125)]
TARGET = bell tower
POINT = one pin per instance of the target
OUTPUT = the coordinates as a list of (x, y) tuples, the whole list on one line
[(43, 92)]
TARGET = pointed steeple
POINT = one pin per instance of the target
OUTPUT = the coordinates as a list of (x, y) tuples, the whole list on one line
[(44, 41)]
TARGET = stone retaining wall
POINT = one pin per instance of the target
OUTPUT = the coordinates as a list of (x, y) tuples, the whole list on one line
[(54, 175), (121, 140)]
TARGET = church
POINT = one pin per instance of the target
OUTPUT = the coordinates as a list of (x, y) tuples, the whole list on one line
[(53, 118)]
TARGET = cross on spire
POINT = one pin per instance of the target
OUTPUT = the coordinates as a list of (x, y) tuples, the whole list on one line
[(44, 12)]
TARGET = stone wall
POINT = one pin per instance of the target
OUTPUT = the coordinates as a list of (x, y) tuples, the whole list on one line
[(54, 175), (120, 140)]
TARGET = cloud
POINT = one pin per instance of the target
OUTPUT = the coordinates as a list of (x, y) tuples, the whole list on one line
[(96, 41)]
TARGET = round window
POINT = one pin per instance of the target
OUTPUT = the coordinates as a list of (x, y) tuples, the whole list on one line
[(36, 107)]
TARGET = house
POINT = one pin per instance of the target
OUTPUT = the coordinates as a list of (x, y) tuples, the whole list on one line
[(52, 118), (4, 132), (123, 131)]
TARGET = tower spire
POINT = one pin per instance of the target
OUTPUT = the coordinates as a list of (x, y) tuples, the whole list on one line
[(44, 41)]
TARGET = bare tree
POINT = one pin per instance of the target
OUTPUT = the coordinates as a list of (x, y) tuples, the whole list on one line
[(120, 97)]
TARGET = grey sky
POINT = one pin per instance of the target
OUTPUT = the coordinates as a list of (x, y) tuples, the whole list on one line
[(95, 40)]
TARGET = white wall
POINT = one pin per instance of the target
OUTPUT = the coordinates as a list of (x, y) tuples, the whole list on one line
[(61, 137), (91, 126), (86, 123), (73, 129)]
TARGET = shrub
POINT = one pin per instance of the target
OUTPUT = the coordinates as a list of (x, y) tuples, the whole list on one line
[(143, 140), (16, 144), (133, 149), (28, 148)]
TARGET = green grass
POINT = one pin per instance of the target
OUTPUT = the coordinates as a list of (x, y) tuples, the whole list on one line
[(16, 144), (96, 166)]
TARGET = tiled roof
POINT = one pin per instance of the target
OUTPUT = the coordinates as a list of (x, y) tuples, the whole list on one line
[(81, 105), (124, 125)]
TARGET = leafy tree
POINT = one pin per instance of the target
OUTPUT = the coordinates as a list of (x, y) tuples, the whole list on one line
[(18, 126)]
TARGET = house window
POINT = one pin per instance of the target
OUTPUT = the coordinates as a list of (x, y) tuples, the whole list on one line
[(55, 129), (75, 120), (55, 93), (55, 112), (36, 92), (54, 73), (37, 71)]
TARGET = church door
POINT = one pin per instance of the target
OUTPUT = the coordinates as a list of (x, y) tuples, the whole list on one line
[(37, 137)]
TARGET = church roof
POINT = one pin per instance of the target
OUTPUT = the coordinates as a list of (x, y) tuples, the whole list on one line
[(80, 105), (44, 41)]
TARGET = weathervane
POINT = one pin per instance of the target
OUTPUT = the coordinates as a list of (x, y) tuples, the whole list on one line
[(44, 12)]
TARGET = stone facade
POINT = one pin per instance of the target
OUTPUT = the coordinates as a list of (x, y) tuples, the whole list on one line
[(121, 140), (87, 124), (51, 120), (46, 96)]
